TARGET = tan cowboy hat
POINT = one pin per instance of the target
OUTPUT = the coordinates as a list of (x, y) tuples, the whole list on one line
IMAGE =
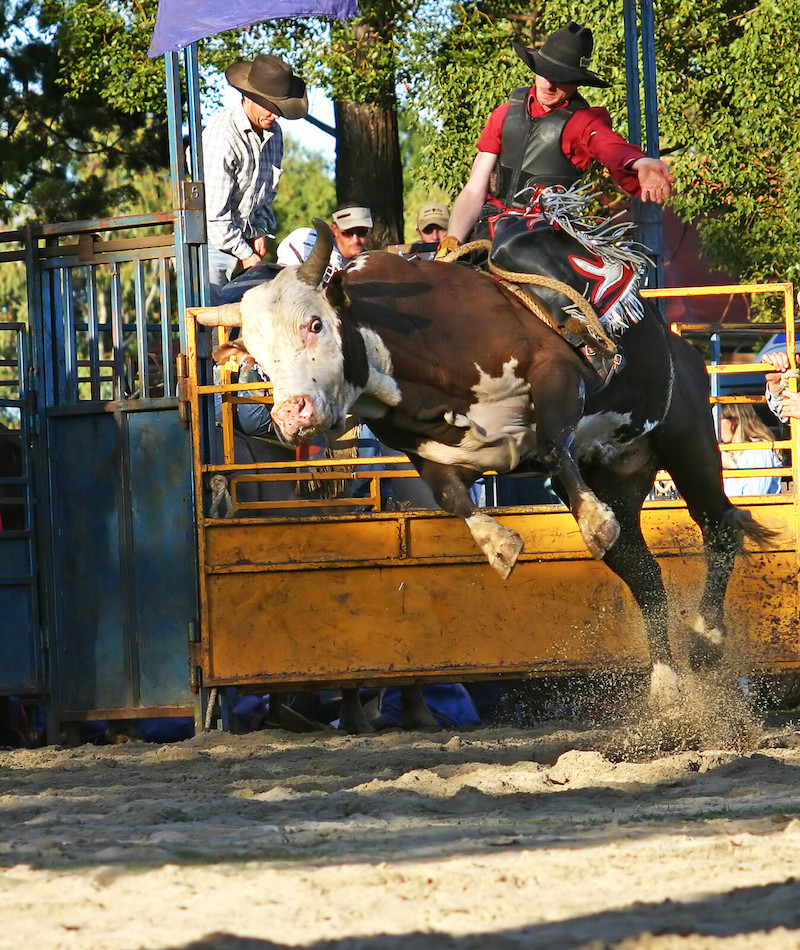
[(564, 57), (433, 213), (271, 83)]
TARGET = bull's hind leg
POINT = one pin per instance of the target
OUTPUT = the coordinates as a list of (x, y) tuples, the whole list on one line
[(724, 528), (631, 560), (687, 448)]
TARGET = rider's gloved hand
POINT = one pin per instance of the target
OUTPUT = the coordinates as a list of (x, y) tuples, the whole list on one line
[(448, 243)]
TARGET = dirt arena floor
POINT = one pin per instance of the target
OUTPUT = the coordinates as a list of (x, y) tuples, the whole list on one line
[(632, 832)]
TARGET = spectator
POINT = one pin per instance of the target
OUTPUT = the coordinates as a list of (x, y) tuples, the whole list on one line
[(242, 153), (781, 400), (432, 221), (351, 225), (549, 135), (739, 423)]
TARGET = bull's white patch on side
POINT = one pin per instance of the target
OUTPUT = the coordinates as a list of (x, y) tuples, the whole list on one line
[(499, 426), (712, 634), (602, 437), (381, 385)]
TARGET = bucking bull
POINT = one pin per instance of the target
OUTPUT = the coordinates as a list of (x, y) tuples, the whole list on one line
[(448, 366)]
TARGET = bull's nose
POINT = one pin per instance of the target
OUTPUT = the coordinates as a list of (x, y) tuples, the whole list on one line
[(294, 415)]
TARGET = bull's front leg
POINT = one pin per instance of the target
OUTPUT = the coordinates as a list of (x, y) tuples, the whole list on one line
[(450, 487)]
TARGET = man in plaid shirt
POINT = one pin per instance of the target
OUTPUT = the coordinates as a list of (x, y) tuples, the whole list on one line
[(242, 155)]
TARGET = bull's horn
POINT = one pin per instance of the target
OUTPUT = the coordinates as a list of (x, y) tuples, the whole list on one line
[(226, 315), (311, 271)]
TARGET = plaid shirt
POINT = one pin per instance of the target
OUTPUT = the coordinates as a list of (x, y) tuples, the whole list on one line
[(242, 169)]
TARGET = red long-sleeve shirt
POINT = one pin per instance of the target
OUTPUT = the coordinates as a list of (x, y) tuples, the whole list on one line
[(587, 137)]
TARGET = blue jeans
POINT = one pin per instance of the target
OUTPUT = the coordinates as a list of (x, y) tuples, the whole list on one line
[(221, 266)]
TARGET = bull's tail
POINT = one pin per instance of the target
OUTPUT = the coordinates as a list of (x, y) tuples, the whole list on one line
[(744, 527)]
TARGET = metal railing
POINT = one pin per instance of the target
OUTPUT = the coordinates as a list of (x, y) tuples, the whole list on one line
[(113, 306), (718, 370), (371, 472)]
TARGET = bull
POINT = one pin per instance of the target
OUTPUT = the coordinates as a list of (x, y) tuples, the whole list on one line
[(449, 367)]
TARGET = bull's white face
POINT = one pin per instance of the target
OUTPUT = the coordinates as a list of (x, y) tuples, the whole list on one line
[(294, 334)]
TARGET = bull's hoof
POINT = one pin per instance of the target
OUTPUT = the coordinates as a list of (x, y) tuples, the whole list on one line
[(504, 556), (502, 546), (599, 527), (665, 689)]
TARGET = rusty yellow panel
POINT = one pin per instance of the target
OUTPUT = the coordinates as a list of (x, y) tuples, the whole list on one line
[(416, 620), (552, 533), (241, 544), (346, 625), (668, 529), (547, 532)]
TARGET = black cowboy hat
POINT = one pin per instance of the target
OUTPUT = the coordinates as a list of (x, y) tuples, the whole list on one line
[(564, 57), (271, 83)]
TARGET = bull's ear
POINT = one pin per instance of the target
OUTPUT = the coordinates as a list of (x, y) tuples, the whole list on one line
[(336, 291), (232, 349)]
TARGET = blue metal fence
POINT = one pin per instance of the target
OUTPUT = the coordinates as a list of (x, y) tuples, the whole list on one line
[(100, 579)]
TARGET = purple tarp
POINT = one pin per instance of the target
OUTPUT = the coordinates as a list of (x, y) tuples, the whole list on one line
[(180, 22)]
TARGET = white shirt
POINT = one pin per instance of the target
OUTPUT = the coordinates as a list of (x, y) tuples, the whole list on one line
[(774, 404), (297, 246), (242, 167), (754, 484)]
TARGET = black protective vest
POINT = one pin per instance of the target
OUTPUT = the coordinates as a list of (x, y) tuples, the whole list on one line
[(530, 153)]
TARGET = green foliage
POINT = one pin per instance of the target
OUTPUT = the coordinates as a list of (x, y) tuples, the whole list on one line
[(474, 68), (103, 47), (739, 160), (58, 148), (728, 89), (729, 109), (416, 191), (306, 190)]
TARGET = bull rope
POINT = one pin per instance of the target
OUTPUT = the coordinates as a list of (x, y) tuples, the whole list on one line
[(591, 331)]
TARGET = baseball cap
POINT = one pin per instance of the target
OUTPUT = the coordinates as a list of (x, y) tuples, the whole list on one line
[(433, 213), (353, 217)]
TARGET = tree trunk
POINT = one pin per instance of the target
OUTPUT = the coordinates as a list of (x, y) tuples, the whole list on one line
[(368, 166), (369, 169)]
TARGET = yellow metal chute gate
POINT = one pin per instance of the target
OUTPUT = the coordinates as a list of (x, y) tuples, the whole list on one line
[(339, 592)]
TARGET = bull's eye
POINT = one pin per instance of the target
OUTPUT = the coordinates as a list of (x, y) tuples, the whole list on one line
[(315, 326)]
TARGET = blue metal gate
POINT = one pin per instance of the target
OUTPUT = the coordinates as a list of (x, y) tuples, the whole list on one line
[(99, 576), (21, 669)]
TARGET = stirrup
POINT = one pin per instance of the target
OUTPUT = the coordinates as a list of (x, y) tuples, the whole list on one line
[(604, 367)]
